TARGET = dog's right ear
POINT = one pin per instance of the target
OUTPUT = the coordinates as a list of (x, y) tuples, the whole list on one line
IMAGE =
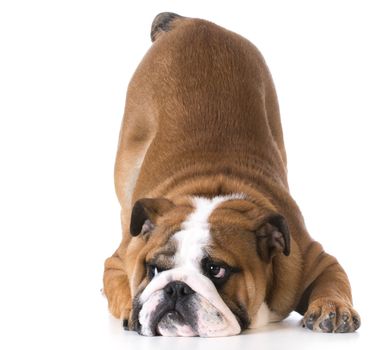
[(145, 213), (273, 237)]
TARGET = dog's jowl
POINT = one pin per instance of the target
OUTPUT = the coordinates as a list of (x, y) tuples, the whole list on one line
[(213, 242)]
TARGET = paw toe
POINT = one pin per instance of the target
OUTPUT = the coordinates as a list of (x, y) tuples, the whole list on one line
[(309, 323), (327, 325), (331, 317), (356, 321)]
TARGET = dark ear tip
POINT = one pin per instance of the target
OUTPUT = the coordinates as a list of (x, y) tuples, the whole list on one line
[(162, 23), (137, 219), (283, 226), (280, 221), (145, 212)]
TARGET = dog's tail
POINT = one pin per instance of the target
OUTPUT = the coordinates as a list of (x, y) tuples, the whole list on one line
[(162, 23)]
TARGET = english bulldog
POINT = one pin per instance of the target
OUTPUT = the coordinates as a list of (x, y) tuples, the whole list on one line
[(213, 243)]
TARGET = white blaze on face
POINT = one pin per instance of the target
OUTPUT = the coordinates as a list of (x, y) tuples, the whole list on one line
[(195, 233), (214, 318)]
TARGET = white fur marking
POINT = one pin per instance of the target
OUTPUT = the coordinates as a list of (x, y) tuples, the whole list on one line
[(195, 233), (264, 316)]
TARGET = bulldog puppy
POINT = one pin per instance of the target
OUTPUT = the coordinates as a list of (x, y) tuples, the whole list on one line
[(213, 242)]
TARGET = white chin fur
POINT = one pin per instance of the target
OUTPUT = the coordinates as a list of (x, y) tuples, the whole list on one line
[(214, 318), (264, 316)]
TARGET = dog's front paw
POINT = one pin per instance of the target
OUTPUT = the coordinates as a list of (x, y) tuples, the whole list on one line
[(331, 315)]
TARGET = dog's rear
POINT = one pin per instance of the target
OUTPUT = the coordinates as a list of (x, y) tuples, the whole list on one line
[(219, 84)]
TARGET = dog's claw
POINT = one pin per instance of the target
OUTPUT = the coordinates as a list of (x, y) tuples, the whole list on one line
[(125, 324)]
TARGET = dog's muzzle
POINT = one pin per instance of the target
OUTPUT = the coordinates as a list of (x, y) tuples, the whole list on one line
[(183, 303)]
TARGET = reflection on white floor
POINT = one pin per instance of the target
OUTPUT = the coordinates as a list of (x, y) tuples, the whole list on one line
[(283, 335)]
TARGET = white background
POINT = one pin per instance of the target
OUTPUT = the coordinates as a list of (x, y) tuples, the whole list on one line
[(64, 70)]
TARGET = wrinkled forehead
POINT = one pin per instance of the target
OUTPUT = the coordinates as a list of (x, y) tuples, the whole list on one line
[(204, 230)]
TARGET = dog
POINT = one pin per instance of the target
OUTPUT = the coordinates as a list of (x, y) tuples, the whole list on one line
[(213, 243)]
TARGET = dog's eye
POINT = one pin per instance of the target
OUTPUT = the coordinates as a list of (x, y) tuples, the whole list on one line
[(153, 270), (216, 271)]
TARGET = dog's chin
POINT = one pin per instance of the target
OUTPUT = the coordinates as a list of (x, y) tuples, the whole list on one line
[(173, 324)]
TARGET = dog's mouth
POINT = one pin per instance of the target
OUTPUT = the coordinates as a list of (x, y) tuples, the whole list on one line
[(170, 318), (174, 324), (173, 319)]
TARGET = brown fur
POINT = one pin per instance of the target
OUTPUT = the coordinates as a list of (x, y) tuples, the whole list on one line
[(202, 113)]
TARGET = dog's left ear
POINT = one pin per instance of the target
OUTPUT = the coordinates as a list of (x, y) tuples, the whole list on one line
[(145, 213), (273, 237)]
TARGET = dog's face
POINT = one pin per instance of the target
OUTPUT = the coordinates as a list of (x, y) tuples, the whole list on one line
[(201, 267)]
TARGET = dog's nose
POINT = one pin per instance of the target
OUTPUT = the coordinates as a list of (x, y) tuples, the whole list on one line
[(177, 290)]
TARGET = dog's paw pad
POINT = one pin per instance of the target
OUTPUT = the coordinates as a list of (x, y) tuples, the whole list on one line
[(329, 316)]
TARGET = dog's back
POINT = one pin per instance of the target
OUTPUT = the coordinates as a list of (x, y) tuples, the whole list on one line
[(210, 96)]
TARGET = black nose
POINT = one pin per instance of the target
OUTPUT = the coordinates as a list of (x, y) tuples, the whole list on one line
[(177, 290)]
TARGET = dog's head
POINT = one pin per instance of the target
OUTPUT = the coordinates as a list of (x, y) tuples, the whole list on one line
[(201, 267)]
